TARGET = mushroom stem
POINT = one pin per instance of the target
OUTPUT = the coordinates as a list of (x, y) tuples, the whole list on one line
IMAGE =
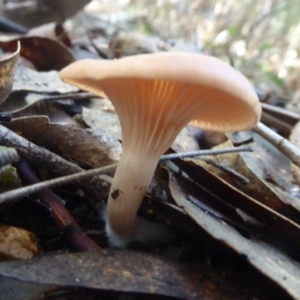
[(132, 178)]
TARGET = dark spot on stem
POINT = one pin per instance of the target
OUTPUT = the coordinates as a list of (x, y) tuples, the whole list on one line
[(115, 194)]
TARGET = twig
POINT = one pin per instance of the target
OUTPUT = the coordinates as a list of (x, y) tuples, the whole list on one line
[(282, 144), (204, 152), (25, 191), (69, 226)]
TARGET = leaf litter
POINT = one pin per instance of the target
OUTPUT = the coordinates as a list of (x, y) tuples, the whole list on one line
[(259, 220), (269, 260)]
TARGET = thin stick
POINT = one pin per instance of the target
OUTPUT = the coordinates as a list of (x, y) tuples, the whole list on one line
[(282, 144), (25, 191), (204, 152)]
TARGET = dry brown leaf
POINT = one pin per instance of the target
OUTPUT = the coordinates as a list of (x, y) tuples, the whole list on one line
[(89, 147), (17, 243), (40, 82), (137, 272)]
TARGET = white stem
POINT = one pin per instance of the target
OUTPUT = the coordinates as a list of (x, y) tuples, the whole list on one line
[(131, 180), (283, 145)]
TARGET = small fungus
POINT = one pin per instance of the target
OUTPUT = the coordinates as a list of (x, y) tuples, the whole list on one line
[(155, 96)]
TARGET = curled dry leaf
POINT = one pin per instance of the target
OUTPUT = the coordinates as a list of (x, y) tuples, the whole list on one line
[(137, 272), (17, 243), (45, 54), (272, 262), (89, 147), (8, 67)]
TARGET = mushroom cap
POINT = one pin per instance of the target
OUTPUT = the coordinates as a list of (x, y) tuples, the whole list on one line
[(201, 88)]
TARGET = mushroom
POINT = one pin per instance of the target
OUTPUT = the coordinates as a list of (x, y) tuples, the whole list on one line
[(155, 96)]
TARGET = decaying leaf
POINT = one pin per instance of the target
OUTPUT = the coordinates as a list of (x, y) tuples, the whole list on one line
[(137, 272), (8, 67), (44, 53), (89, 147), (286, 230), (27, 80), (272, 262), (17, 243), (254, 168), (273, 169), (42, 82)]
